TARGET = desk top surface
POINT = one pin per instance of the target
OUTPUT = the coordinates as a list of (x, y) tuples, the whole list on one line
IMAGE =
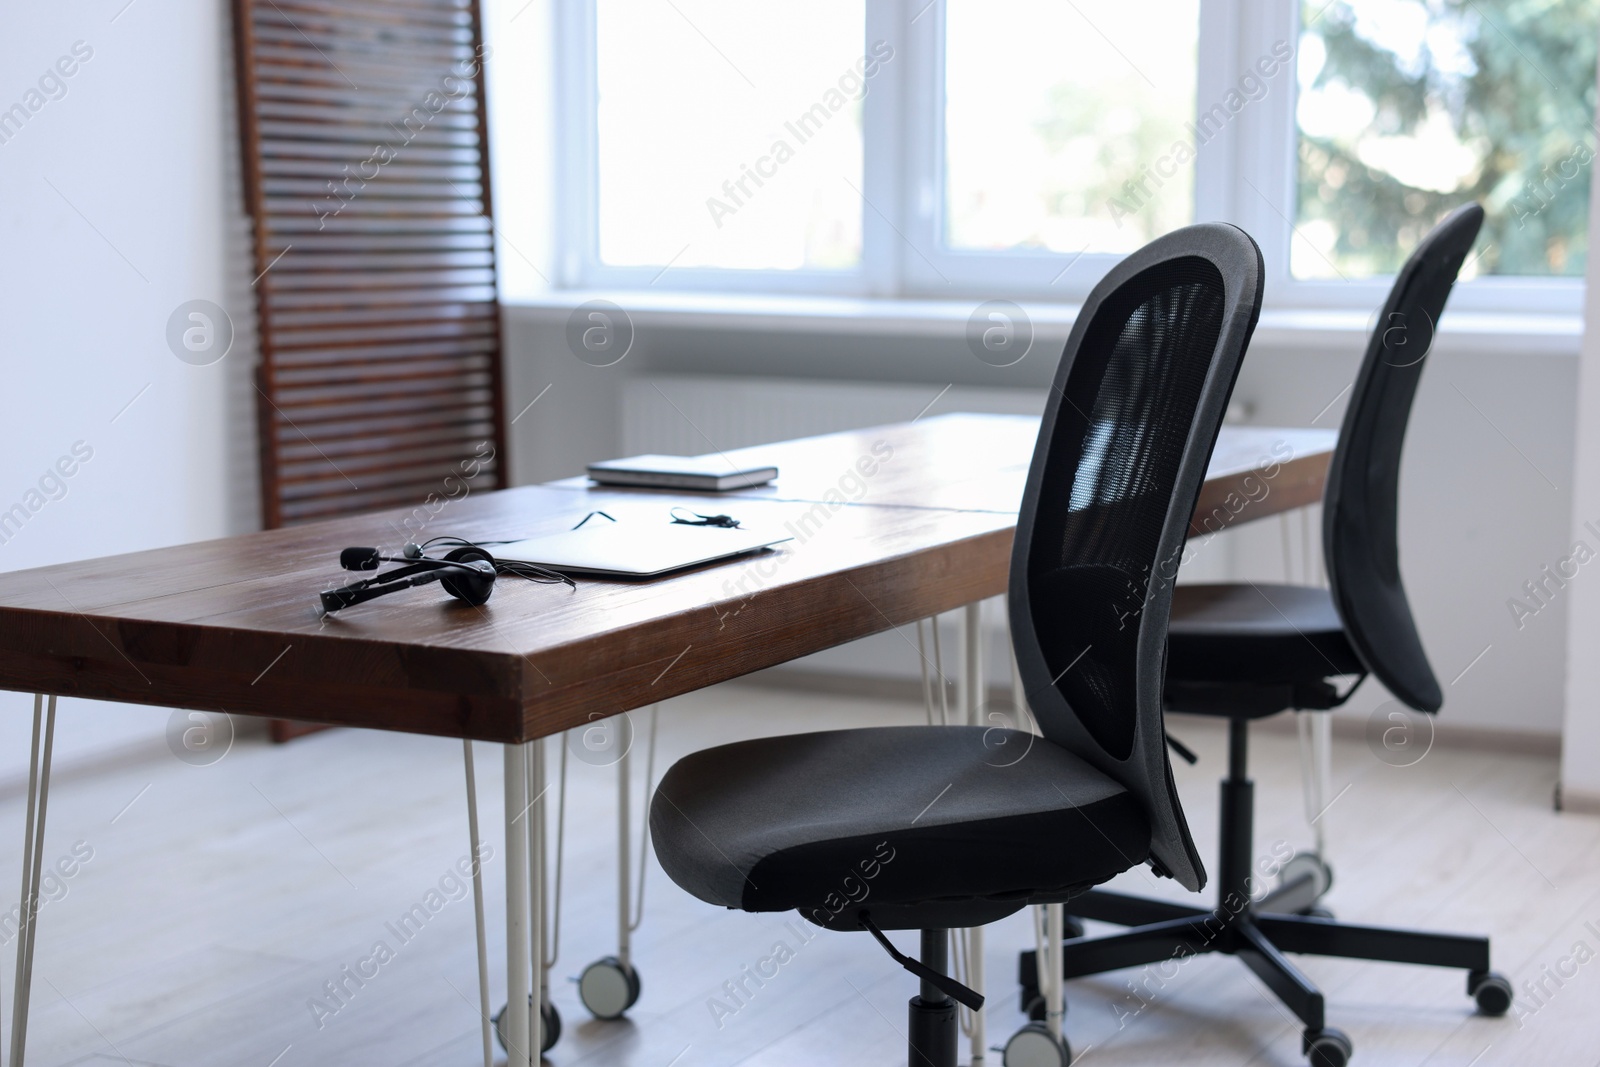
[(969, 462), (233, 624)]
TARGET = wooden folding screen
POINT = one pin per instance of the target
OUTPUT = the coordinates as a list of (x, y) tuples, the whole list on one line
[(366, 174)]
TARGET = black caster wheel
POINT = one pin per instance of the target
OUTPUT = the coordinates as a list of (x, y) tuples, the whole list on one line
[(550, 1029), (1491, 990), (1035, 1046), (1317, 911), (1327, 1048), (608, 987), (1033, 1005)]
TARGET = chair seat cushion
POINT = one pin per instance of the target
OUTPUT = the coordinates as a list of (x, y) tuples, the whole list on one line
[(835, 821), (1256, 632)]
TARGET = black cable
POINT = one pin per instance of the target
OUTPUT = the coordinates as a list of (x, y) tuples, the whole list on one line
[(727, 522), (533, 572)]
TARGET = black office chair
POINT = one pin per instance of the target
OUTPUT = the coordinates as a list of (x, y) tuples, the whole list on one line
[(931, 828), (1248, 650)]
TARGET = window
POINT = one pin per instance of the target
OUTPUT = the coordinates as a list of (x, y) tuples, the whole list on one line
[(717, 149), (1408, 109), (1045, 150), (971, 149)]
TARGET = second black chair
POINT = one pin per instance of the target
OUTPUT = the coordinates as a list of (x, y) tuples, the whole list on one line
[(1244, 651)]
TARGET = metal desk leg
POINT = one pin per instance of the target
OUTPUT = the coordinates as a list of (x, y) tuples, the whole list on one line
[(44, 729), (537, 914), (973, 699), (475, 857), (519, 958), (609, 986), (624, 847)]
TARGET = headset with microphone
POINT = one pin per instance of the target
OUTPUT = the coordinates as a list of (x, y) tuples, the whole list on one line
[(467, 572)]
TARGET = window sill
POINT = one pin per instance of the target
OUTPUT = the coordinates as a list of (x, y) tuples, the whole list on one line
[(1495, 333)]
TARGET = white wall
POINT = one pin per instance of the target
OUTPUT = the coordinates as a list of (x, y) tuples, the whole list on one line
[(1580, 747), (115, 207)]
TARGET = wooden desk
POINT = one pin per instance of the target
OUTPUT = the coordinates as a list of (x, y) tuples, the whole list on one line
[(232, 625), (891, 525)]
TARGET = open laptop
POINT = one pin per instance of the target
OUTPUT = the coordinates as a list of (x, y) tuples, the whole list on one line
[(636, 549)]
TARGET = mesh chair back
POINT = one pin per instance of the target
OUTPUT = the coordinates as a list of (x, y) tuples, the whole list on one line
[(1360, 519), (1123, 448)]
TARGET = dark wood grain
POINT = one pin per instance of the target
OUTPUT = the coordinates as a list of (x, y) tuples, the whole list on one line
[(233, 625)]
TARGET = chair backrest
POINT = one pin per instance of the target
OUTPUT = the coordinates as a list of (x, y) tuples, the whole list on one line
[(1123, 448), (1360, 506)]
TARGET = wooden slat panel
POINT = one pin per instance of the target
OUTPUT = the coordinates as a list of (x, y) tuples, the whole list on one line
[(352, 414), (384, 186), (424, 12), (405, 439), (331, 169), (458, 115), (359, 346), (341, 27), (377, 259), (305, 223), (376, 298), (330, 432), (348, 383), (366, 175), (285, 72), (420, 465), (366, 134), (285, 280), (330, 34), (307, 343), (293, 148), (357, 317)]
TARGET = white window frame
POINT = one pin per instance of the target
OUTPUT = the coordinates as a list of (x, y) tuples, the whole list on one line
[(1244, 175)]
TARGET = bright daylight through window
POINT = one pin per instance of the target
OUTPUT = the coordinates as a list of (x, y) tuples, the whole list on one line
[(988, 146), (1410, 108), (727, 140), (1068, 145)]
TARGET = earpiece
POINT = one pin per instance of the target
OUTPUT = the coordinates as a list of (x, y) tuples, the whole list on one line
[(474, 585)]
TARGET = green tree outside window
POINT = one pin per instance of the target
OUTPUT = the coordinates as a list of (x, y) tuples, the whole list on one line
[(1409, 108)]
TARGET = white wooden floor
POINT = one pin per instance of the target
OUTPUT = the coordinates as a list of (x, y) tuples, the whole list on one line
[(215, 908)]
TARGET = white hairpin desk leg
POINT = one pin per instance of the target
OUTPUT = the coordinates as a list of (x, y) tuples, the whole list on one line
[(609, 986), (536, 899), (44, 731), (475, 857), (973, 698), (624, 851), (519, 958)]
